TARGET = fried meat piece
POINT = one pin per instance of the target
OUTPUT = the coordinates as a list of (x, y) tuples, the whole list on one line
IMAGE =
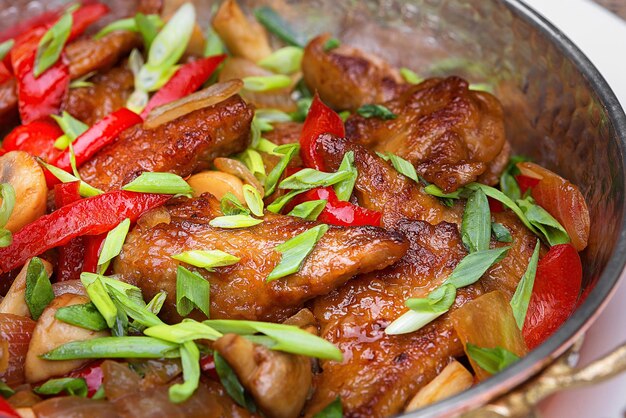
[(240, 291), (181, 146), (449, 133), (381, 372), (109, 92), (347, 78)]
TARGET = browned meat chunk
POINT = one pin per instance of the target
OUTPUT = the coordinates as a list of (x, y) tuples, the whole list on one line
[(182, 146), (8, 104), (450, 133), (380, 187), (108, 94), (380, 373), (240, 290), (284, 133), (88, 54), (347, 78)]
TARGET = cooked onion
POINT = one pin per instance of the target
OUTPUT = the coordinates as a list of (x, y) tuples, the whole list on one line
[(204, 98), (154, 217), (69, 286), (453, 379), (15, 334), (239, 169), (75, 407)]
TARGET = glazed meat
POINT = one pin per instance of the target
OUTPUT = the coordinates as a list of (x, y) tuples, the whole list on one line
[(8, 103), (240, 291), (109, 93), (181, 146), (380, 187), (284, 133), (450, 133), (347, 78), (381, 372)]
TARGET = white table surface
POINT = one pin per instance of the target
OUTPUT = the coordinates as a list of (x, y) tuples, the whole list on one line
[(602, 37)]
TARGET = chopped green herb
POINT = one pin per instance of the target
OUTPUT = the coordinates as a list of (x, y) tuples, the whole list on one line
[(137, 310), (500, 232), (508, 184), (275, 24), (5, 47), (277, 205), (113, 243), (549, 227), (73, 386), (234, 221), (214, 45), (521, 297), (230, 205), (266, 83), (270, 116), (114, 347), (72, 129), (5, 390), (285, 60), (192, 290), (309, 210), (84, 316), (128, 24), (332, 410), (162, 183), (492, 360), (129, 290), (474, 265), (402, 166), (476, 225), (288, 151), (376, 111), (433, 190), (231, 383), (156, 303), (85, 189), (39, 291), (303, 105), (7, 194), (330, 44), (295, 250), (410, 76), (253, 199), (51, 44), (207, 259), (190, 359), (188, 330), (100, 297), (309, 178), (344, 189), (344, 115), (252, 159), (148, 29)]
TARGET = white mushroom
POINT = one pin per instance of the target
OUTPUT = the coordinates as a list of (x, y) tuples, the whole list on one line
[(14, 301), (21, 171), (51, 333)]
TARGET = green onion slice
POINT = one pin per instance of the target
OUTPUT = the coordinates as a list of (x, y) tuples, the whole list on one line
[(252, 159), (129, 290), (376, 111), (253, 199), (170, 44), (332, 410), (188, 330), (114, 347), (100, 297), (521, 297), (207, 259), (5, 48), (344, 189), (51, 44), (288, 151), (285, 61), (135, 309), (84, 316), (73, 386), (128, 24), (500, 232), (6, 238), (7, 194), (549, 227), (234, 221), (277, 205), (147, 27), (266, 83), (295, 250), (476, 224), (410, 76), (231, 383), (72, 127), (192, 290), (402, 166), (230, 205), (114, 241), (190, 359), (474, 265), (84, 189), (5, 390), (330, 44), (309, 210), (162, 183), (39, 291), (492, 360), (309, 178), (275, 24)]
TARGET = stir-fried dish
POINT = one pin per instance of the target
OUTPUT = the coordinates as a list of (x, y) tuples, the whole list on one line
[(240, 221)]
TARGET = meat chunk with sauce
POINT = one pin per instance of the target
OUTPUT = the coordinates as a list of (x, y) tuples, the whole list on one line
[(181, 146), (347, 78), (448, 132), (240, 291)]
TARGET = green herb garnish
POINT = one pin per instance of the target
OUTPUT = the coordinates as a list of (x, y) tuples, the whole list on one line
[(492, 360), (39, 291), (192, 290), (376, 111), (521, 297), (295, 250)]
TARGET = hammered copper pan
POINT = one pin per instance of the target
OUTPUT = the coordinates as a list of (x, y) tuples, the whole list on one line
[(559, 111)]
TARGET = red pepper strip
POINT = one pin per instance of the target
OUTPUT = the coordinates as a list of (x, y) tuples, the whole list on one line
[(84, 16), (37, 138), (2, 152), (555, 293), (93, 245), (6, 410), (102, 133), (45, 19), (526, 182), (494, 205), (42, 96), (70, 262), (93, 375), (320, 120), (207, 365), (91, 216), (185, 81), (337, 212), (5, 74)]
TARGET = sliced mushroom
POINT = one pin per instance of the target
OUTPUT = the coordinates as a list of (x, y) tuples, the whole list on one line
[(14, 302), (453, 379), (21, 171), (279, 382), (217, 183), (51, 333)]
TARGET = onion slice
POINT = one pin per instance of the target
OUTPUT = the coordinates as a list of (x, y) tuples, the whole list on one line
[(15, 334), (210, 96), (239, 169)]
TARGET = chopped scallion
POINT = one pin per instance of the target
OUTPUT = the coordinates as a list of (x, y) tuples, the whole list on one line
[(114, 347), (253, 199), (474, 265), (309, 210), (207, 259), (188, 330), (71, 127), (285, 61), (277, 205), (7, 194), (84, 189), (190, 359), (100, 297), (295, 250), (38, 293), (500, 232), (230, 205), (128, 24), (84, 316), (147, 28), (114, 241), (73, 386), (330, 44), (332, 410), (266, 83), (231, 383), (51, 44), (376, 111), (492, 360), (288, 151), (344, 189), (410, 76), (234, 221), (309, 178), (192, 291), (275, 24), (476, 225), (5, 47), (521, 297), (162, 183)]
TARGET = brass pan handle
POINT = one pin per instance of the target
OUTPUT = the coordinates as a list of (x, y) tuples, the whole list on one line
[(560, 375)]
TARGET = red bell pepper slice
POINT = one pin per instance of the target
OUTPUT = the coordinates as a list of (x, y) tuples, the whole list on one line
[(321, 119), (93, 246), (526, 182), (6, 410), (337, 212), (44, 19), (99, 135), (207, 365), (91, 216), (93, 375), (70, 262), (185, 81), (84, 16), (37, 138), (494, 205), (555, 293), (5, 74), (42, 96)]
